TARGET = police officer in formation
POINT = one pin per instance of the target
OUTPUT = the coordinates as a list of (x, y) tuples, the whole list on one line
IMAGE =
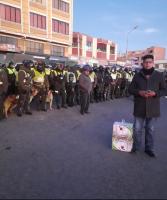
[(70, 86), (24, 86), (59, 84), (3, 89), (41, 83)]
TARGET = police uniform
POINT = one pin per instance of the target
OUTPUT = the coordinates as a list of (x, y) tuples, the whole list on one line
[(99, 90), (118, 85), (77, 89), (24, 85), (70, 88), (11, 78), (41, 83), (3, 90), (113, 85), (107, 85), (93, 79), (59, 79)]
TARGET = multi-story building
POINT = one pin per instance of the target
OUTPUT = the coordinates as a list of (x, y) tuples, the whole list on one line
[(135, 57), (41, 28), (91, 50)]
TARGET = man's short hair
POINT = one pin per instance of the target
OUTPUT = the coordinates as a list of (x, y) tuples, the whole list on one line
[(148, 56)]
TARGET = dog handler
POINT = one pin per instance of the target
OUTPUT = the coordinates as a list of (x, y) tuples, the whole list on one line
[(3, 90), (24, 89)]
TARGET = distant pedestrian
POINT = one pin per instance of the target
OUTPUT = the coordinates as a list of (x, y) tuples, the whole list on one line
[(147, 87), (85, 85)]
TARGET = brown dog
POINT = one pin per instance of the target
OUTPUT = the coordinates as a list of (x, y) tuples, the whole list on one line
[(49, 100), (9, 104), (34, 93)]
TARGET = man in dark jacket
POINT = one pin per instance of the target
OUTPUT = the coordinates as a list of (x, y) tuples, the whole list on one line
[(85, 85), (24, 84), (147, 87), (3, 90)]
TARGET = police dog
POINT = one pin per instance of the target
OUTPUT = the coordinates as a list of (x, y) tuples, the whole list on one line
[(34, 93), (9, 104), (49, 100)]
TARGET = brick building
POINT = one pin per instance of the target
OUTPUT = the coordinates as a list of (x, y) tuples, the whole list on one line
[(87, 49), (41, 28), (135, 57)]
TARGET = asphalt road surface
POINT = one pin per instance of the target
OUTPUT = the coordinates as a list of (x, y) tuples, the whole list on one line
[(63, 155)]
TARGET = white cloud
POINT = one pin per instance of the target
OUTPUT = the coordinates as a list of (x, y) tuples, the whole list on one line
[(151, 30)]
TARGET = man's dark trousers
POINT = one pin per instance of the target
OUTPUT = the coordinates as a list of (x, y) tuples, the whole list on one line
[(85, 101), (148, 124)]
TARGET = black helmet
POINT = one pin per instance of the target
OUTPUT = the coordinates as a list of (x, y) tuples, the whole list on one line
[(40, 68), (27, 63), (11, 64)]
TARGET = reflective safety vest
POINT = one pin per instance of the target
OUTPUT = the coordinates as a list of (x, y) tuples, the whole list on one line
[(47, 71), (130, 78), (71, 75), (92, 77), (114, 76), (39, 77), (1, 83), (119, 74), (78, 74), (17, 76), (58, 73), (27, 75), (10, 71)]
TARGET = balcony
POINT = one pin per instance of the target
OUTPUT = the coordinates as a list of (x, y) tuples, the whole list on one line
[(102, 41), (89, 54), (101, 55), (75, 51), (112, 57)]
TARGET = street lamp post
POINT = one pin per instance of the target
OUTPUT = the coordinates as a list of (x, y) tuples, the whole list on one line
[(127, 41)]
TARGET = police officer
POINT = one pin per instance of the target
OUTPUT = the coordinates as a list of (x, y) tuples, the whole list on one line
[(3, 89), (113, 84), (41, 83), (48, 74), (11, 78), (118, 84), (24, 85), (99, 90), (93, 79), (77, 89), (59, 79), (107, 84), (70, 87)]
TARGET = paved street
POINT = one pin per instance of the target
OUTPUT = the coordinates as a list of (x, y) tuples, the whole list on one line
[(61, 154)]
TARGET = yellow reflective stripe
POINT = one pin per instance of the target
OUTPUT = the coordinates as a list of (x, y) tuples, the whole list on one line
[(11, 71), (39, 77), (47, 71)]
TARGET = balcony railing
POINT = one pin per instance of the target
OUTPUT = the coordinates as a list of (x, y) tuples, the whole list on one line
[(101, 55)]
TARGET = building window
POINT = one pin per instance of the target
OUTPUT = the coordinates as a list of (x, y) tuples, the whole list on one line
[(60, 27), (9, 13), (38, 1), (34, 47), (58, 51), (77, 42), (112, 50), (89, 46), (102, 47), (61, 5), (38, 21)]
